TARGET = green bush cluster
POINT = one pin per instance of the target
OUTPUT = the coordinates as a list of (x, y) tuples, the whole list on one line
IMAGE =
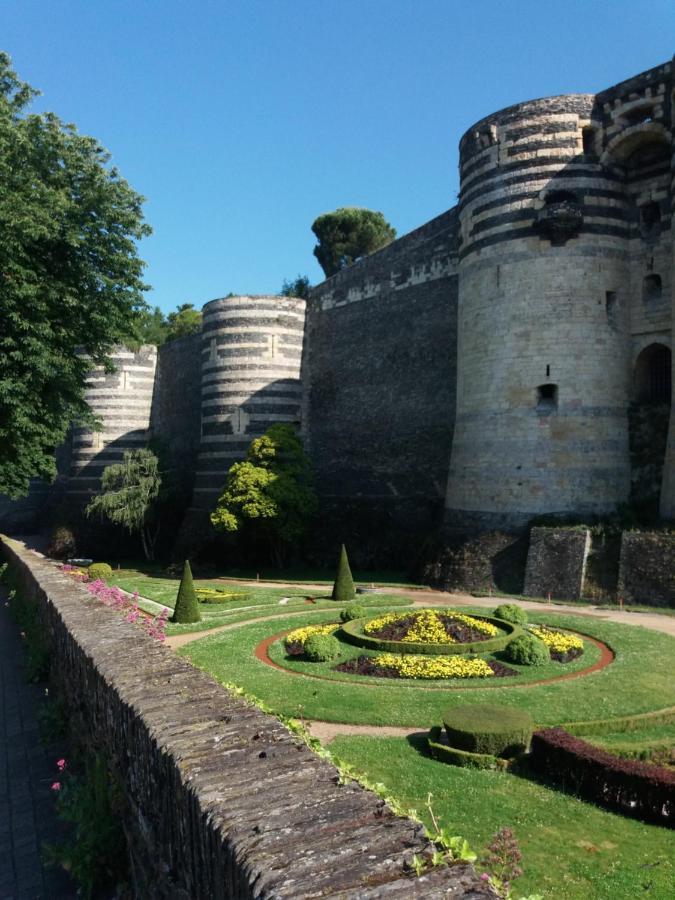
[(353, 611), (99, 570), (322, 647), (511, 612), (527, 650), (501, 731)]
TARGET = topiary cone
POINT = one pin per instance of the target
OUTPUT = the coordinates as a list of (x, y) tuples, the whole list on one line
[(187, 607), (343, 589)]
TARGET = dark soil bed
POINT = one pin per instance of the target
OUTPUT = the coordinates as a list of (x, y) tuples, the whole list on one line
[(566, 657)]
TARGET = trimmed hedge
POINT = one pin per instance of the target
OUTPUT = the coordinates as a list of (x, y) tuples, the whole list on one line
[(623, 723), (511, 612), (455, 757), (353, 633), (527, 650), (343, 588), (352, 611), (99, 570), (186, 609), (321, 647), (503, 731), (627, 786)]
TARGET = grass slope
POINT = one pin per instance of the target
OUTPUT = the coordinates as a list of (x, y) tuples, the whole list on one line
[(571, 849)]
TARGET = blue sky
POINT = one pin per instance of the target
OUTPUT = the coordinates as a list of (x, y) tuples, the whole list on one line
[(240, 122)]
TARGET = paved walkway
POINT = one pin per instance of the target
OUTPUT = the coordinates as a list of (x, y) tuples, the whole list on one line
[(27, 770)]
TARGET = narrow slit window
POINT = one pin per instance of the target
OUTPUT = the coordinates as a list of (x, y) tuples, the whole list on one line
[(651, 290), (611, 308), (588, 141), (547, 398)]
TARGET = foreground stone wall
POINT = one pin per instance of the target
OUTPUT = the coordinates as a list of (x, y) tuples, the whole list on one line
[(647, 568), (556, 563), (222, 801)]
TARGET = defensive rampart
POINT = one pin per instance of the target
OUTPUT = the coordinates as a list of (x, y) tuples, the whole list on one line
[(221, 801)]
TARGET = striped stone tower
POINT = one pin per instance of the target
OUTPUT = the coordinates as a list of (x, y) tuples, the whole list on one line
[(121, 401), (251, 353), (543, 325)]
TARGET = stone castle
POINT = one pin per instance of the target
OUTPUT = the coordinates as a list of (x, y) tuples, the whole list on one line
[(501, 362)]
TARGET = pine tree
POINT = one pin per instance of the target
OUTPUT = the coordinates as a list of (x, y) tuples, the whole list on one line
[(343, 589), (187, 607)]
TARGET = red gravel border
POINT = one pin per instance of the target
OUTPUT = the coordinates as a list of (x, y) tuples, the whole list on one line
[(607, 657)]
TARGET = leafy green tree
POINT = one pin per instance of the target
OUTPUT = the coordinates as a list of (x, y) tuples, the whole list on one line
[(70, 277), (348, 234), (269, 496), (184, 321), (129, 491), (299, 287), (343, 588), (152, 326), (187, 607)]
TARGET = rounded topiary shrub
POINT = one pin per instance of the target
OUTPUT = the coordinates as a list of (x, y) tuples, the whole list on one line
[(99, 570), (353, 611), (322, 647), (482, 728), (527, 650), (511, 612)]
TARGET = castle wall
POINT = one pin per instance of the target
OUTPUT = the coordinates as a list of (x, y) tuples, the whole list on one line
[(379, 371), (251, 349), (544, 356), (176, 412), (122, 401)]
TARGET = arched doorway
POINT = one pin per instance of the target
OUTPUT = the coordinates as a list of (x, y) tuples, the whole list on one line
[(648, 418)]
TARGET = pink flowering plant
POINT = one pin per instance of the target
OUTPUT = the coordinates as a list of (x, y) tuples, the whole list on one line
[(74, 572), (155, 626), (90, 799)]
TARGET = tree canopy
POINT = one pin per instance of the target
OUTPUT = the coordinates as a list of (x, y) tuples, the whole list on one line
[(128, 493), (299, 287), (348, 234), (70, 277), (154, 327), (269, 496)]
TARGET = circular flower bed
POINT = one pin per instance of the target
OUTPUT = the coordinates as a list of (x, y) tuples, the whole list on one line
[(562, 645), (431, 632)]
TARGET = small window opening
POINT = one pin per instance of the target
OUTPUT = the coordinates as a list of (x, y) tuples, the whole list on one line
[(547, 398), (560, 197), (548, 371), (652, 378), (639, 116), (611, 308), (650, 219), (651, 290), (588, 141)]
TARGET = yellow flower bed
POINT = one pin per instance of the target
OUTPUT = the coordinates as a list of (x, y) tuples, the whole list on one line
[(410, 666), (428, 627), (212, 593), (300, 635), (557, 641)]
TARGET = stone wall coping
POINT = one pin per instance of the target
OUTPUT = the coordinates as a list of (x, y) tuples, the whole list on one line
[(230, 803)]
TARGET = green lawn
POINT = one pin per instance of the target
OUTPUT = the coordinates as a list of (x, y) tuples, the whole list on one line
[(256, 602), (572, 850), (639, 680)]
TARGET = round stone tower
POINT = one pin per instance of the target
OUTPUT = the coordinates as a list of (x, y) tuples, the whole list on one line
[(543, 322), (251, 354), (121, 401)]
